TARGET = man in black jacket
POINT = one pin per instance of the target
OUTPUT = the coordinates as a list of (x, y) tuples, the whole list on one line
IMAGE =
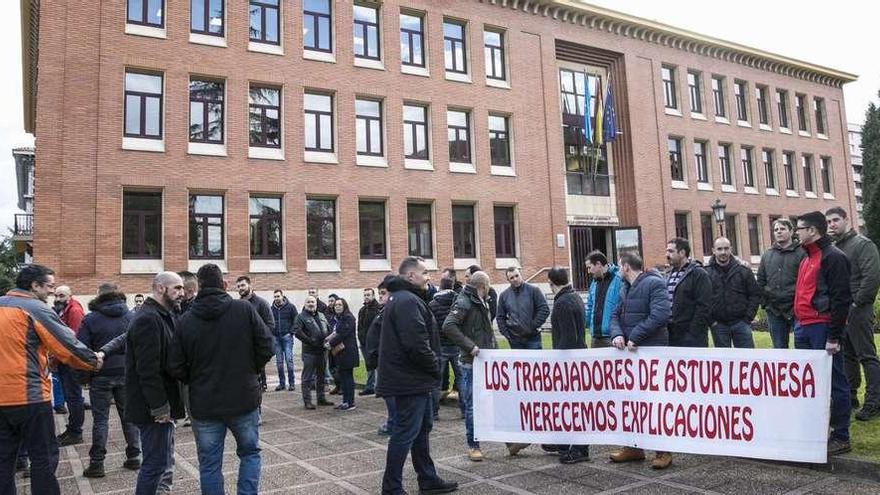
[(219, 350), (440, 305), (152, 396), (735, 298), (777, 275), (108, 319), (522, 310), (246, 291), (408, 371), (366, 315), (371, 353), (284, 314), (690, 292), (310, 327), (491, 299)]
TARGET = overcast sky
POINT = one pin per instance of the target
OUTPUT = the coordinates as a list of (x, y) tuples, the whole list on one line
[(839, 35)]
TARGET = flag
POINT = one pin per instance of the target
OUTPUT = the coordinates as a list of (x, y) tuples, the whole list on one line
[(600, 120), (588, 128), (609, 116)]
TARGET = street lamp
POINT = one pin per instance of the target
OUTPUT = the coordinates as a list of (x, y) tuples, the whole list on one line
[(718, 210)]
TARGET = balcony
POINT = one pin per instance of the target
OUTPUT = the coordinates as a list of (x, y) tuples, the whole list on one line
[(24, 227)]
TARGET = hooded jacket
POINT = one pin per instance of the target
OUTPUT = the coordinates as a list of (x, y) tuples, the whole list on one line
[(612, 297), (864, 266), (109, 318), (822, 293), (735, 293), (777, 275), (219, 349), (365, 317), (440, 306), (691, 308), (469, 325), (567, 325), (522, 310), (643, 311), (283, 316), (311, 330)]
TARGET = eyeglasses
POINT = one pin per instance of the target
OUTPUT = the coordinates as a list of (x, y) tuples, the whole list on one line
[(802, 228)]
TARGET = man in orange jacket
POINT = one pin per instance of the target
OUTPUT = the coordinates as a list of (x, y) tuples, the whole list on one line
[(31, 330)]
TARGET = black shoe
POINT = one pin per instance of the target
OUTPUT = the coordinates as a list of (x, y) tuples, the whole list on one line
[(854, 402), (324, 402), (87, 406), (291, 388), (550, 449), (574, 456), (868, 412), (366, 391), (95, 470), (60, 409), (837, 447), (68, 438), (310, 406), (134, 464), (345, 406), (439, 487), (279, 388)]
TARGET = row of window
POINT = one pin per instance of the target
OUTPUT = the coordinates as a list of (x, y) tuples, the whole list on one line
[(142, 228), (741, 108), (208, 18), (207, 99), (731, 231), (700, 156)]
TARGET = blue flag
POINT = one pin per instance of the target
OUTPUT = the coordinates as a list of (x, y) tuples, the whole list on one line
[(609, 117), (588, 128)]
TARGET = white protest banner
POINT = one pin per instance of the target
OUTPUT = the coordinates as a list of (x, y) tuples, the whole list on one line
[(761, 403)]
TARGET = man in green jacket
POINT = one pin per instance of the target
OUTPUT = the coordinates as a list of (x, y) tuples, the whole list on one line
[(858, 339), (777, 275)]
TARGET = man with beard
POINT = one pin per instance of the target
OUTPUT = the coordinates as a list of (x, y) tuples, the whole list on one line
[(246, 291), (735, 298), (777, 275), (310, 327), (690, 293), (366, 315), (190, 289), (71, 313)]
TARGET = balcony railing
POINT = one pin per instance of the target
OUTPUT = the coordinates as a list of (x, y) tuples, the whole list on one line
[(24, 225)]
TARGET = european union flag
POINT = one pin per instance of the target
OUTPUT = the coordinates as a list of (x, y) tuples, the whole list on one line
[(609, 117)]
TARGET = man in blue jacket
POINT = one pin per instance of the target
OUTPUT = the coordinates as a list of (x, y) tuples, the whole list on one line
[(640, 320), (602, 298), (284, 315)]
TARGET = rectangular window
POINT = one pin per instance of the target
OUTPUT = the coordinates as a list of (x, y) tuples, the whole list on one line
[(454, 47), (788, 169), (670, 96), (206, 17), (146, 12), (458, 131), (586, 167), (695, 91), (807, 163), (753, 222), (499, 140), (782, 107), (769, 168), (763, 111), (724, 164), (740, 95), (141, 225), (371, 220), (415, 132), (419, 230), (718, 96), (825, 163), (265, 21), (673, 145), (800, 108), (505, 232), (464, 243), (412, 40), (317, 29), (366, 32), (748, 167), (706, 233), (206, 111), (493, 46), (318, 121), (819, 114), (265, 116), (321, 229), (265, 227), (205, 226), (681, 226), (368, 123), (143, 105), (700, 162), (731, 233)]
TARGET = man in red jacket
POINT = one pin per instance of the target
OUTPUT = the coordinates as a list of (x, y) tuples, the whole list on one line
[(821, 303), (71, 313)]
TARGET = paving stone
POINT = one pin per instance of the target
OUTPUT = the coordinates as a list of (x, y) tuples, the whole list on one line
[(737, 476), (849, 487), (287, 475)]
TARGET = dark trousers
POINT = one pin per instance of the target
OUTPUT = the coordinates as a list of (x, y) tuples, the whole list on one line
[(449, 359), (780, 330), (157, 441), (102, 391), (814, 337), (860, 352), (74, 397), (32, 427), (312, 377), (410, 434), (346, 384)]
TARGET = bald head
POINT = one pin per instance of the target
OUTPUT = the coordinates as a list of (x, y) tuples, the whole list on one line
[(721, 250), (62, 294), (168, 289)]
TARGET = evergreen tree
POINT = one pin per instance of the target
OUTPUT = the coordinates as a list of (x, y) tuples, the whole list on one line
[(8, 265), (871, 171)]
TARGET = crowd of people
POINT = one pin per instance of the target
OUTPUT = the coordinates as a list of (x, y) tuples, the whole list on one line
[(190, 352)]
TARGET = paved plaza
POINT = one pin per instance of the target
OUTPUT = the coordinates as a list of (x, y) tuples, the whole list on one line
[(328, 452)]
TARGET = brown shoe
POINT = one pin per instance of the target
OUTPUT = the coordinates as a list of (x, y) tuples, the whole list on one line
[(475, 455), (662, 460), (628, 454), (515, 448)]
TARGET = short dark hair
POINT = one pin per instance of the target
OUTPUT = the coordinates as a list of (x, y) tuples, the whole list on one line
[(597, 257), (370, 289), (245, 278), (836, 210), (784, 222), (30, 274), (633, 260), (815, 219), (558, 276), (278, 291), (107, 287), (138, 296), (473, 269), (409, 263), (385, 281), (450, 271), (210, 276), (681, 244), (446, 283), (187, 275)]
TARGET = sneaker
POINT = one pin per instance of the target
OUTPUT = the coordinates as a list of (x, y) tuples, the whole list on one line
[(340, 406), (366, 391), (279, 388), (515, 448), (384, 431), (133, 464), (868, 412), (325, 402), (68, 438), (60, 409), (837, 446), (439, 487), (310, 406), (95, 470), (347, 407), (291, 388), (628, 454), (475, 455), (662, 460), (574, 456)]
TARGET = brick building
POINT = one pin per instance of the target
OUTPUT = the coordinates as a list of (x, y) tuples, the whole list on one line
[(317, 142)]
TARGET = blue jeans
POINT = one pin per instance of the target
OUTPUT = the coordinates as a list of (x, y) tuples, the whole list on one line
[(532, 344), (101, 392), (780, 328), (210, 436), (74, 397), (739, 334), (466, 395), (410, 435), (157, 443), (284, 354), (814, 337), (30, 427), (57, 391), (449, 358), (391, 411)]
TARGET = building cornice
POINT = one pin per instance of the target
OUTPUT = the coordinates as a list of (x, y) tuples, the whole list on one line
[(629, 26)]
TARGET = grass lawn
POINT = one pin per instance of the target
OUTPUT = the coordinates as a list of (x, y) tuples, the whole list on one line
[(865, 436)]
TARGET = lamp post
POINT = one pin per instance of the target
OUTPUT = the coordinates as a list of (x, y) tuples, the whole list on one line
[(718, 210)]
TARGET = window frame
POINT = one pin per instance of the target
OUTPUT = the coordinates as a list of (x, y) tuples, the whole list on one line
[(741, 100), (807, 168), (414, 125), (142, 101), (782, 108), (368, 230), (420, 249), (264, 220), (205, 102), (365, 30), (145, 7), (202, 222), (670, 96), (761, 101), (456, 44), (819, 115), (316, 26), (368, 121), (718, 97), (490, 51), (682, 230), (800, 101), (468, 158), (142, 216), (319, 222), (747, 160), (465, 228), (264, 142), (695, 91), (506, 227), (676, 163), (707, 240), (725, 165), (825, 174), (501, 136), (701, 161), (788, 169), (207, 18), (768, 158), (263, 5), (318, 115), (753, 226), (410, 44)]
